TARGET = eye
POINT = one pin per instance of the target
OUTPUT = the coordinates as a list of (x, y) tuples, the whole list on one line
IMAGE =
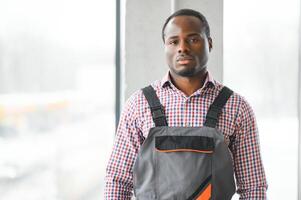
[(194, 40), (172, 42)]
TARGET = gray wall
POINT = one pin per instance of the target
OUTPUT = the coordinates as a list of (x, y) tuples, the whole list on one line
[(213, 10), (299, 108), (143, 54)]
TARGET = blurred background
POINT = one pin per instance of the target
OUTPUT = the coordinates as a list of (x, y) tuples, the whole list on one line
[(57, 97), (67, 67)]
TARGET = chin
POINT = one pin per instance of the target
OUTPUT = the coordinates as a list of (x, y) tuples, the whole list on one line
[(186, 72)]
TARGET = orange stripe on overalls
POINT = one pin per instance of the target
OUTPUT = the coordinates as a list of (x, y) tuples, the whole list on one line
[(206, 194)]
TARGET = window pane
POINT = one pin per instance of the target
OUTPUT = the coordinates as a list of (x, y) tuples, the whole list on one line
[(261, 63), (57, 87)]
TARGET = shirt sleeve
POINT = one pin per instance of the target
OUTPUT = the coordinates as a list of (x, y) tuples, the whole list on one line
[(119, 174), (248, 167)]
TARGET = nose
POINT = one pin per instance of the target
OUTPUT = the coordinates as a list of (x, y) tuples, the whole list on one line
[(183, 47)]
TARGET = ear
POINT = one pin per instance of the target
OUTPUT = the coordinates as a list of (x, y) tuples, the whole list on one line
[(210, 43)]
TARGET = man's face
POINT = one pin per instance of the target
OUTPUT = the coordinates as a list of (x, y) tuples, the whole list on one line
[(186, 46)]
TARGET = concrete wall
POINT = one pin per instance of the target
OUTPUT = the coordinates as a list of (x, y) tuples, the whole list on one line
[(213, 11), (299, 109), (143, 55)]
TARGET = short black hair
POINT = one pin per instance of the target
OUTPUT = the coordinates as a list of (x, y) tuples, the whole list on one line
[(188, 12)]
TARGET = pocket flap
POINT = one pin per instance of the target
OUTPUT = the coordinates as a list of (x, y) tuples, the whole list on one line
[(170, 143)]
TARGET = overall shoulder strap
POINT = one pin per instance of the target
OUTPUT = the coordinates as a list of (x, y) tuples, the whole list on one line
[(216, 107), (155, 106)]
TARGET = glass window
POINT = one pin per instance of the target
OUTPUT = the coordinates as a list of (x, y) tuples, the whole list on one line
[(57, 90), (261, 63)]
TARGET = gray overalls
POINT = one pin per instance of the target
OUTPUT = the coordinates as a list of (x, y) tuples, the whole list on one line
[(184, 163)]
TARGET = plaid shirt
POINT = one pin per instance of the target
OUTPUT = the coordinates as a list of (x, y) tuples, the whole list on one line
[(237, 123)]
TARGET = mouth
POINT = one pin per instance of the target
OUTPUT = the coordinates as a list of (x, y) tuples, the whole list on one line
[(184, 60)]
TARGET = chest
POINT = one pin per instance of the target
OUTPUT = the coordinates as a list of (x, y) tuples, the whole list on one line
[(188, 112)]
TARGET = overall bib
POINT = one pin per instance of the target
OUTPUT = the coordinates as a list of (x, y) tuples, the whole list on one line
[(184, 163)]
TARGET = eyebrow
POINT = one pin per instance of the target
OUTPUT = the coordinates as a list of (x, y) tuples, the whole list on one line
[(189, 35)]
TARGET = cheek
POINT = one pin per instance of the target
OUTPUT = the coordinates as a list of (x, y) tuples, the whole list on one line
[(202, 51), (167, 50), (169, 54)]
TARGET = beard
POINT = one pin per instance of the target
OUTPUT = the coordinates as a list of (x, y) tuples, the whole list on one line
[(187, 72)]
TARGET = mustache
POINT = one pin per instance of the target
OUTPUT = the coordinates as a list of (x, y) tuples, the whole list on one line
[(184, 57)]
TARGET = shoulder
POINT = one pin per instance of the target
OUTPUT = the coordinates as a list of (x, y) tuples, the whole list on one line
[(244, 107), (243, 110), (130, 106), (235, 101), (237, 104), (137, 101)]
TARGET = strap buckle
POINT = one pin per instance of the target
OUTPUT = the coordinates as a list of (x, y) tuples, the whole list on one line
[(157, 112), (213, 113)]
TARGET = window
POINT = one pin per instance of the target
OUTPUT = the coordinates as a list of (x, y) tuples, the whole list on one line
[(261, 63), (57, 90)]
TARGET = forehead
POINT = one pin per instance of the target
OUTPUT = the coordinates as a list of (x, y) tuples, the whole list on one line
[(183, 24)]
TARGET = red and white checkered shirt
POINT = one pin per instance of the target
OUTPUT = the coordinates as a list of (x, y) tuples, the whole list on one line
[(237, 122)]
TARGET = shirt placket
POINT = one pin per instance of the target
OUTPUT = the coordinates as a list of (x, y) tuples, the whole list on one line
[(187, 112)]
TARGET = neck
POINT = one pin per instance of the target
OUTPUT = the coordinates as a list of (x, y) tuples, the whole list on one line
[(188, 85)]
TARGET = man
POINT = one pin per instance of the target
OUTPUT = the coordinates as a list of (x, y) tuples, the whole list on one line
[(183, 126)]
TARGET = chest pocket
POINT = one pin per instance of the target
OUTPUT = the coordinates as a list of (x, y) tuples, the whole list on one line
[(184, 166)]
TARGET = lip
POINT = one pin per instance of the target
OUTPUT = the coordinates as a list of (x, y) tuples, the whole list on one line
[(184, 61), (184, 58)]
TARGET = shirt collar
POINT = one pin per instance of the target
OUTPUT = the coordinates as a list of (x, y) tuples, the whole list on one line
[(166, 79)]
